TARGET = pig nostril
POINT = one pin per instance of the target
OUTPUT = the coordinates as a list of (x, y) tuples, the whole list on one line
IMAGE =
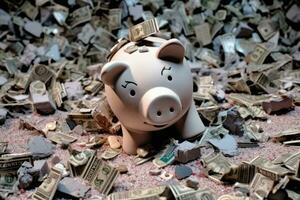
[(158, 113), (171, 109), (132, 92)]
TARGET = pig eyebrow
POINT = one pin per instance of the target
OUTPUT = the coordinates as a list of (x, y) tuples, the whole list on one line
[(128, 82), (163, 69)]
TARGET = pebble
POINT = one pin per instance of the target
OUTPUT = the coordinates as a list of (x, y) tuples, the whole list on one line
[(113, 142), (33, 27), (182, 172), (64, 145), (155, 172), (166, 176), (122, 169), (192, 183), (40, 147)]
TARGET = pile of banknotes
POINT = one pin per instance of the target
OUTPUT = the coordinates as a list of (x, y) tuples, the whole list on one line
[(244, 56)]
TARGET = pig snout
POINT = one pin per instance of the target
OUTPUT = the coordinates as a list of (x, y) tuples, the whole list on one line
[(160, 105)]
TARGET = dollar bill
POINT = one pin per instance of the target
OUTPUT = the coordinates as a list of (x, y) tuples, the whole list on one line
[(253, 133), (22, 80), (221, 15), (47, 189), (286, 135), (257, 112), (262, 82), (103, 39), (40, 97), (291, 161), (266, 29), (233, 196), (281, 158), (143, 30), (9, 165), (183, 18), (182, 192), (267, 168), (167, 157), (151, 193), (297, 171), (94, 87), (202, 32), (3, 147), (80, 16), (212, 132), (86, 120), (59, 93), (87, 32), (216, 165), (115, 17), (41, 73), (208, 56), (239, 85), (110, 153), (100, 175), (261, 186), (37, 87), (292, 142), (138, 160), (77, 162), (243, 173), (244, 112), (209, 111), (246, 99), (260, 53), (60, 138), (30, 10)]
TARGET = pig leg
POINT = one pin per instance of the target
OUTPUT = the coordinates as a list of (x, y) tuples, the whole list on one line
[(132, 140), (190, 124)]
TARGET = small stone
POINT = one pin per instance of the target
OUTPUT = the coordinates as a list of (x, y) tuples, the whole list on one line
[(42, 167), (33, 27), (25, 181), (122, 169), (40, 147), (26, 176), (192, 183), (64, 145), (113, 142), (143, 49), (130, 49), (182, 172), (187, 151), (155, 172), (73, 187), (166, 176)]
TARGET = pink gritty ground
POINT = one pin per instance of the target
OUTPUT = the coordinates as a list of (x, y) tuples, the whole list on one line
[(138, 176)]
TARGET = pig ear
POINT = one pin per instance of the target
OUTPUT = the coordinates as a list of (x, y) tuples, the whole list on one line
[(172, 50), (111, 71)]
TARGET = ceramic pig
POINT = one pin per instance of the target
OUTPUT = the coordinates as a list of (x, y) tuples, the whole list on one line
[(149, 88)]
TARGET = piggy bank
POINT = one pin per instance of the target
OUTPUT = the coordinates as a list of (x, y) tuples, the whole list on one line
[(149, 87)]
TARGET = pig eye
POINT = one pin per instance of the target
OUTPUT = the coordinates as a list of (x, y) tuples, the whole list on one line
[(132, 93), (170, 78)]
